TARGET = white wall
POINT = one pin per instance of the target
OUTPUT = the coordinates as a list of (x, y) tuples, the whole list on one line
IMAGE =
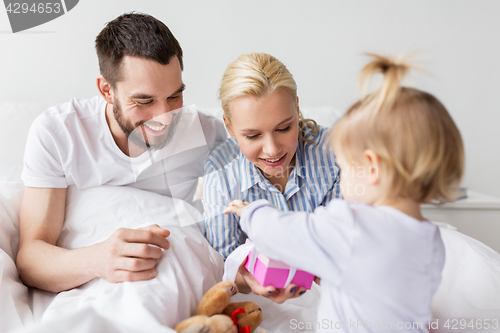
[(320, 41)]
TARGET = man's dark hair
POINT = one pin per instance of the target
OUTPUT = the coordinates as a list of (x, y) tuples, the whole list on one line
[(136, 35)]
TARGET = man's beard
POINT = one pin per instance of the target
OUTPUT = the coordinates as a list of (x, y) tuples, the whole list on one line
[(138, 135)]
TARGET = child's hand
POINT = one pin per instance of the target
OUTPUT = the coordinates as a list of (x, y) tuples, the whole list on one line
[(236, 206)]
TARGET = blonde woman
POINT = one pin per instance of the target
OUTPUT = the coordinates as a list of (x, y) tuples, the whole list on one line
[(273, 153), (378, 258)]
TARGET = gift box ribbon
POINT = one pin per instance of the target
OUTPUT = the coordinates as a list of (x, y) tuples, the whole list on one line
[(237, 257)]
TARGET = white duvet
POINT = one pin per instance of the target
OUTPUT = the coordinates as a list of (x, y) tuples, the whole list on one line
[(470, 286), (185, 272)]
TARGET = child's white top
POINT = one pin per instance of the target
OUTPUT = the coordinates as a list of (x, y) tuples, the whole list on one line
[(378, 266)]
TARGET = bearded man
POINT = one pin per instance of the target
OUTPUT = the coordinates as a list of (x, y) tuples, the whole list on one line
[(136, 132)]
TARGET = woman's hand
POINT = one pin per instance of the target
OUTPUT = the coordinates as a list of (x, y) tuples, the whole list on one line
[(246, 283), (236, 206)]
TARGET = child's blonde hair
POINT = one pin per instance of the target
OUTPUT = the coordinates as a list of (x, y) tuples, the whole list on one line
[(419, 147), (259, 74)]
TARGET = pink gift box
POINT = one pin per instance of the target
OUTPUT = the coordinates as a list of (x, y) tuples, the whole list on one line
[(269, 272)]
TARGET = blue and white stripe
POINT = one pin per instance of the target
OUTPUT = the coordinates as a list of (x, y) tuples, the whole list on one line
[(229, 175)]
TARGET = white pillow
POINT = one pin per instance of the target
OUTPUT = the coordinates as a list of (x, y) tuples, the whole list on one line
[(15, 308), (11, 194), (470, 285)]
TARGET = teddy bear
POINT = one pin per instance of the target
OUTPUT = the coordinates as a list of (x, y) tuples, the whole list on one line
[(216, 314)]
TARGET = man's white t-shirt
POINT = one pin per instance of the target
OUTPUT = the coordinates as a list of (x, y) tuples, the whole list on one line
[(71, 144)]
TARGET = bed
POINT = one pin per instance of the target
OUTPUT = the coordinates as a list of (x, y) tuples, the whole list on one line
[(470, 288)]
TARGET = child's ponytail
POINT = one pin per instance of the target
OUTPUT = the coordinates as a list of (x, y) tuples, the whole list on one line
[(393, 71), (418, 144)]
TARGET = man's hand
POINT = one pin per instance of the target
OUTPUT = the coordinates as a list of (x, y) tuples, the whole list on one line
[(131, 255), (236, 206), (128, 255), (246, 283)]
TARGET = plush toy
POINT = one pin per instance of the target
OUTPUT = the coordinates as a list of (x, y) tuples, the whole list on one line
[(216, 314)]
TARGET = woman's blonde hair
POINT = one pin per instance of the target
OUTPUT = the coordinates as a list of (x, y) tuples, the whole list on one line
[(419, 147), (259, 74)]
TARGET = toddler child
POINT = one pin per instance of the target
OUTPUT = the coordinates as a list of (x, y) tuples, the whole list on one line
[(378, 258)]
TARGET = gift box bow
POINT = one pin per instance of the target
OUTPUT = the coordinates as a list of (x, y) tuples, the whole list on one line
[(238, 256)]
